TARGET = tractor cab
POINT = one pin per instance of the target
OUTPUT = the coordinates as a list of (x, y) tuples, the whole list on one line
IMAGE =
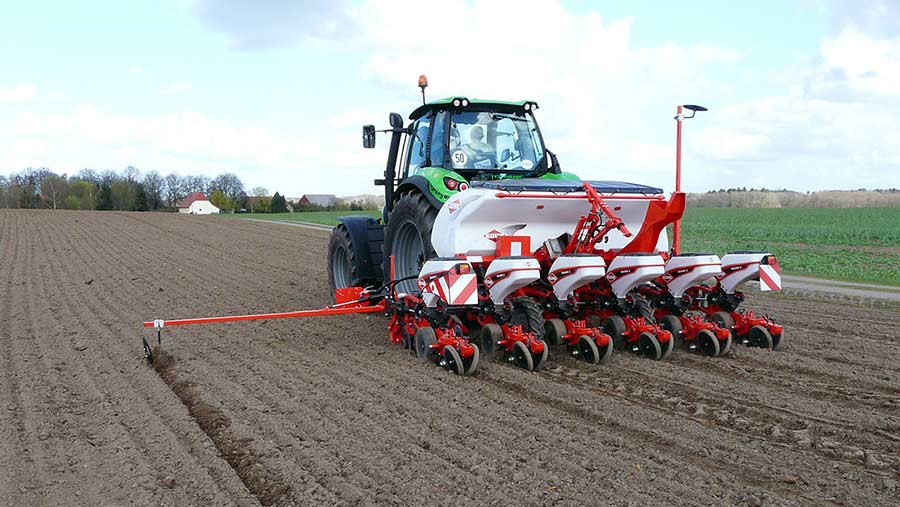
[(454, 141)]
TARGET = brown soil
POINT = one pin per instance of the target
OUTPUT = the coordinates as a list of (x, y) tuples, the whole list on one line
[(325, 412)]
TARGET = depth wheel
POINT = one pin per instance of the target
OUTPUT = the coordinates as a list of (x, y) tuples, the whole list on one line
[(539, 360), (554, 330), (587, 350), (672, 324), (722, 319), (490, 335), (471, 364), (614, 326), (707, 343), (760, 337), (452, 361), (522, 356), (649, 346), (425, 338), (778, 340)]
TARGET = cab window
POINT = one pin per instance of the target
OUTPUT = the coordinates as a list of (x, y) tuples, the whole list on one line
[(418, 145), (437, 139)]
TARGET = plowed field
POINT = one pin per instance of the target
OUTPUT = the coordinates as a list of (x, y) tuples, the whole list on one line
[(325, 412)]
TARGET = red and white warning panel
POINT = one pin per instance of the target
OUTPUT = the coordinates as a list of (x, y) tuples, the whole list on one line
[(449, 280), (769, 274)]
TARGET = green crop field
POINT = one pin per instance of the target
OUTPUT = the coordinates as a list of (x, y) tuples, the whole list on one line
[(861, 244), (313, 217)]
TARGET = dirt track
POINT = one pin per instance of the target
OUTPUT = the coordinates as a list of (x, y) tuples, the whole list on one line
[(323, 412)]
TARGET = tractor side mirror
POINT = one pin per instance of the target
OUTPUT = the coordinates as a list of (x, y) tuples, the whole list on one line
[(396, 121), (505, 155), (368, 136)]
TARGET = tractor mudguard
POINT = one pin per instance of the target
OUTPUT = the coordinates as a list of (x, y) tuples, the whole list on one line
[(367, 237), (421, 183)]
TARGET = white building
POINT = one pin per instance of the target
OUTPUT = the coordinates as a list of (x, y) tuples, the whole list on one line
[(196, 203)]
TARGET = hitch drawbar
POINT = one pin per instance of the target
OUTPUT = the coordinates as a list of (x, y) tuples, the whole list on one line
[(348, 300)]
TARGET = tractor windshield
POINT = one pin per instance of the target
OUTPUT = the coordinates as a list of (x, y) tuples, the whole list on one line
[(495, 141)]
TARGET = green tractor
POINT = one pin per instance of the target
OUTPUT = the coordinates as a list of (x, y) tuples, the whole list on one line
[(448, 144)]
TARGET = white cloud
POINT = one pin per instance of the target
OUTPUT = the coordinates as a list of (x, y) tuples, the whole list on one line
[(136, 69), (20, 93)]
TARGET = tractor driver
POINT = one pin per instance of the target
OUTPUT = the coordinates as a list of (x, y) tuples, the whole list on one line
[(476, 142)]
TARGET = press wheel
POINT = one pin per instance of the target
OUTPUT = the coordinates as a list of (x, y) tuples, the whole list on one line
[(521, 356)]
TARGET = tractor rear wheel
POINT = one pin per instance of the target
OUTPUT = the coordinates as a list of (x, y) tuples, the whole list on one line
[(526, 312), (407, 237), (343, 268)]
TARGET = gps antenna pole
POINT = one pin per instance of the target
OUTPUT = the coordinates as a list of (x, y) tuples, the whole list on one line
[(676, 231)]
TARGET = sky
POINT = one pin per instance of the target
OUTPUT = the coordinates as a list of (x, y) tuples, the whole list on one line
[(802, 94)]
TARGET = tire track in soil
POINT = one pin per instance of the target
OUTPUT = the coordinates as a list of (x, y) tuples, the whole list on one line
[(184, 450), (266, 485), (752, 477), (836, 392), (795, 431)]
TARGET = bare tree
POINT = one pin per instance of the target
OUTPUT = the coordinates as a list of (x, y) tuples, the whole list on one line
[(229, 184), (153, 186), (174, 189), (131, 174), (54, 190), (195, 183)]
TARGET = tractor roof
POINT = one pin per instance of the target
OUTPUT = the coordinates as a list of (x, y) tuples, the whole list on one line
[(448, 101)]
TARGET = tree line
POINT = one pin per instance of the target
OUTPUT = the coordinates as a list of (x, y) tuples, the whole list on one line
[(127, 190), (765, 198)]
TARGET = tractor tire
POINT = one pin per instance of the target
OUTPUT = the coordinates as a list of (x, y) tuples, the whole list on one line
[(343, 267), (526, 312), (643, 308), (407, 238)]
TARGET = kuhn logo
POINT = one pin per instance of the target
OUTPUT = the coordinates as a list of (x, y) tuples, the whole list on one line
[(453, 205), (611, 277), (667, 277), (552, 278), (493, 235)]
